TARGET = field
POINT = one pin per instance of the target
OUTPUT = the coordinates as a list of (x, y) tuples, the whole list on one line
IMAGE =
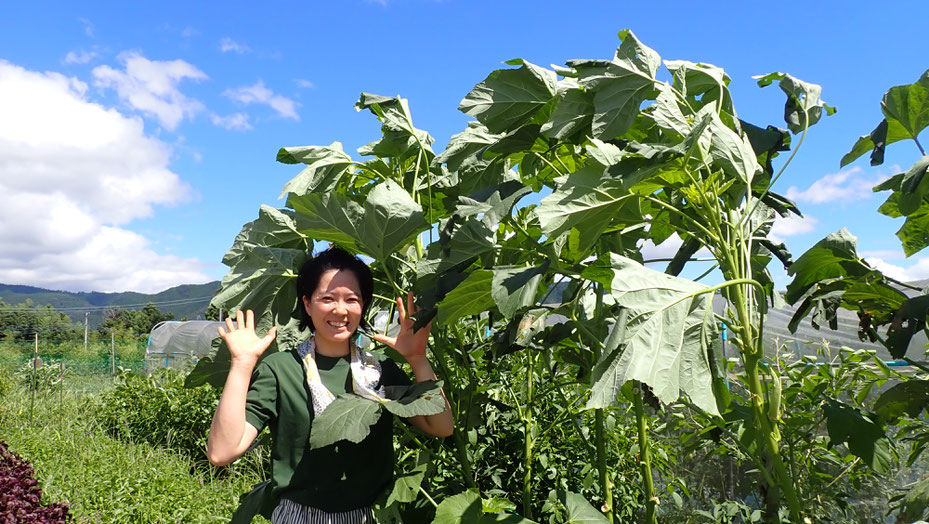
[(104, 478)]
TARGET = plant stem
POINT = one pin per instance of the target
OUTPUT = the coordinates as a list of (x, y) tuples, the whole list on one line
[(919, 146), (461, 445), (605, 484), (645, 460), (527, 434)]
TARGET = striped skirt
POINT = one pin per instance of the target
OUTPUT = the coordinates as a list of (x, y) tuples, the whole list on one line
[(290, 512)]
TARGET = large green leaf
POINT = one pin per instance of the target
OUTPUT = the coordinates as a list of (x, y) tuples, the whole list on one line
[(618, 93), (471, 297), (731, 151), (325, 167), (908, 320), (275, 228), (407, 485), (495, 202), (804, 106), (766, 143), (400, 139), (330, 217), (670, 328), (516, 287), (914, 233), (463, 150), (572, 115), (834, 256), (587, 201), (910, 397), (508, 98), (348, 417), (865, 438), (264, 261), (907, 109), (915, 503), (579, 510), (467, 508), (421, 398), (389, 219), (619, 86), (906, 114), (693, 80), (914, 187), (668, 114)]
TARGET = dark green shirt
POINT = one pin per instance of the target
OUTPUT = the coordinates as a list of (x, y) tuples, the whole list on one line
[(339, 477)]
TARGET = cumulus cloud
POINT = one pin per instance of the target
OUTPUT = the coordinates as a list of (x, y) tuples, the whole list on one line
[(304, 84), (918, 270), (259, 94), (81, 56), (73, 174), (233, 122), (845, 185), (227, 45), (792, 225), (666, 250), (151, 87)]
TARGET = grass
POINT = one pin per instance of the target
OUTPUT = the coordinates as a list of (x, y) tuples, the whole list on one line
[(104, 479)]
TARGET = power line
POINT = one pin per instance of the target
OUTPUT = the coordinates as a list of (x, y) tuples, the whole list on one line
[(177, 302)]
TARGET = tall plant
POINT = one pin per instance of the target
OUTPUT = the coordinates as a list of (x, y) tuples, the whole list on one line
[(832, 275), (630, 158), (530, 226)]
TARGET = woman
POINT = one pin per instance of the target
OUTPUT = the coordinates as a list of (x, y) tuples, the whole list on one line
[(287, 390)]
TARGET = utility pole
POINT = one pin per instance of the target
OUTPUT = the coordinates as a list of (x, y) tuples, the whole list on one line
[(85, 330), (113, 351)]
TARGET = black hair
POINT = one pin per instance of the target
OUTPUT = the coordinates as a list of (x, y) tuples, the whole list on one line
[(312, 271)]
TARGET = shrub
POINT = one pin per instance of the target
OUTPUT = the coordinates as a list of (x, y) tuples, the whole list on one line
[(44, 377), (159, 410), (20, 495)]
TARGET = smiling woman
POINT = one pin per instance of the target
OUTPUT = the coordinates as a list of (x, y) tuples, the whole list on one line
[(289, 391)]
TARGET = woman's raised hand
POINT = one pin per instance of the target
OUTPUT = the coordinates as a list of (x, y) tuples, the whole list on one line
[(410, 344), (244, 344)]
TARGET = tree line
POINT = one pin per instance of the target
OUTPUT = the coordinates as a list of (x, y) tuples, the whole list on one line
[(24, 320)]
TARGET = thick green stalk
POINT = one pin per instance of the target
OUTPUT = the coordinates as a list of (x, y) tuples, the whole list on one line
[(767, 440), (527, 434), (645, 459), (606, 486), (461, 445)]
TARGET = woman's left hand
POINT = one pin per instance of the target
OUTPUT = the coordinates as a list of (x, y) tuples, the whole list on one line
[(410, 344)]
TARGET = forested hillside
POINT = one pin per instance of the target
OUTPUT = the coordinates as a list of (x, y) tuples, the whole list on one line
[(185, 301)]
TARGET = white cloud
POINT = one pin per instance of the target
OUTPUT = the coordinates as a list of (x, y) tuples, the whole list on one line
[(304, 84), (259, 94), (227, 44), (667, 250), (150, 86), (791, 225), (189, 32), (844, 185), (73, 173), (918, 270), (88, 26), (81, 56), (884, 254), (233, 122)]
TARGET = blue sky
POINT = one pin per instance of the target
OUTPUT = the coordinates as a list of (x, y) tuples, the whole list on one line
[(137, 138)]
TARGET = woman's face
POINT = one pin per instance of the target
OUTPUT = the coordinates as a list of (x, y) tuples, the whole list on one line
[(335, 308)]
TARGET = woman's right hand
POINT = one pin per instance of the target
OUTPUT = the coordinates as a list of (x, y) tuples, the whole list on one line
[(244, 344)]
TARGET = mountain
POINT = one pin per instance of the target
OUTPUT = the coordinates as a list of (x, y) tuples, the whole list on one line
[(185, 301)]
